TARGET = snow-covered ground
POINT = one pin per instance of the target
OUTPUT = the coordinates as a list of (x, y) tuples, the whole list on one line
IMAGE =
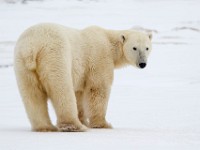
[(156, 108)]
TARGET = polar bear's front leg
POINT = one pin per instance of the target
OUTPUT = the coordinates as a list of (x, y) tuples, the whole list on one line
[(81, 110), (97, 106)]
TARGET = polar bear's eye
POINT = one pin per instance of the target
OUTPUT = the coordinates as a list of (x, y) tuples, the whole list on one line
[(134, 48), (147, 48)]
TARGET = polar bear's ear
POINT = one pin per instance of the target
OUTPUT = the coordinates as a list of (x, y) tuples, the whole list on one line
[(150, 35), (123, 38)]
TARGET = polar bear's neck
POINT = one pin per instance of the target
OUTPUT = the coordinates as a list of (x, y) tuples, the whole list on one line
[(114, 37)]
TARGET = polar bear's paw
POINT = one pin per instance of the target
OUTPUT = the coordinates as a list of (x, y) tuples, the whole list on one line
[(46, 129), (101, 125), (69, 127)]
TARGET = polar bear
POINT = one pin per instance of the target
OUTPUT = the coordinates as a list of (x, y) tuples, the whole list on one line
[(74, 69)]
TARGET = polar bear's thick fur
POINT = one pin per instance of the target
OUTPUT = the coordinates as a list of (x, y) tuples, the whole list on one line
[(74, 69)]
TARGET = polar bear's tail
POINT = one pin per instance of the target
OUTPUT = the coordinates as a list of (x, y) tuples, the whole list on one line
[(24, 52)]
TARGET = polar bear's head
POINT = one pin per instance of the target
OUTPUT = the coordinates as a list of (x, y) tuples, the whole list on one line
[(136, 47)]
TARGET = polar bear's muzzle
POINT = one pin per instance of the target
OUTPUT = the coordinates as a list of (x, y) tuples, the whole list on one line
[(141, 61)]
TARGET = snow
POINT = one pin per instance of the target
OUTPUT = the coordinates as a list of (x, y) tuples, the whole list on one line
[(154, 108)]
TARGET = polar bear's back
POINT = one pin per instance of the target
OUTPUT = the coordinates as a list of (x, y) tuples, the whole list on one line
[(43, 38), (47, 33)]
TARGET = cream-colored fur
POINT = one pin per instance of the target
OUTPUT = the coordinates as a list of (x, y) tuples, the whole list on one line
[(74, 69)]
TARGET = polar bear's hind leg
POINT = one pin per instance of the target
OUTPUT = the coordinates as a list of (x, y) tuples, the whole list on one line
[(34, 99), (55, 74)]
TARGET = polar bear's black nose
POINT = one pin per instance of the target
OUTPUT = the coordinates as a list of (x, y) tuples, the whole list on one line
[(142, 65)]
